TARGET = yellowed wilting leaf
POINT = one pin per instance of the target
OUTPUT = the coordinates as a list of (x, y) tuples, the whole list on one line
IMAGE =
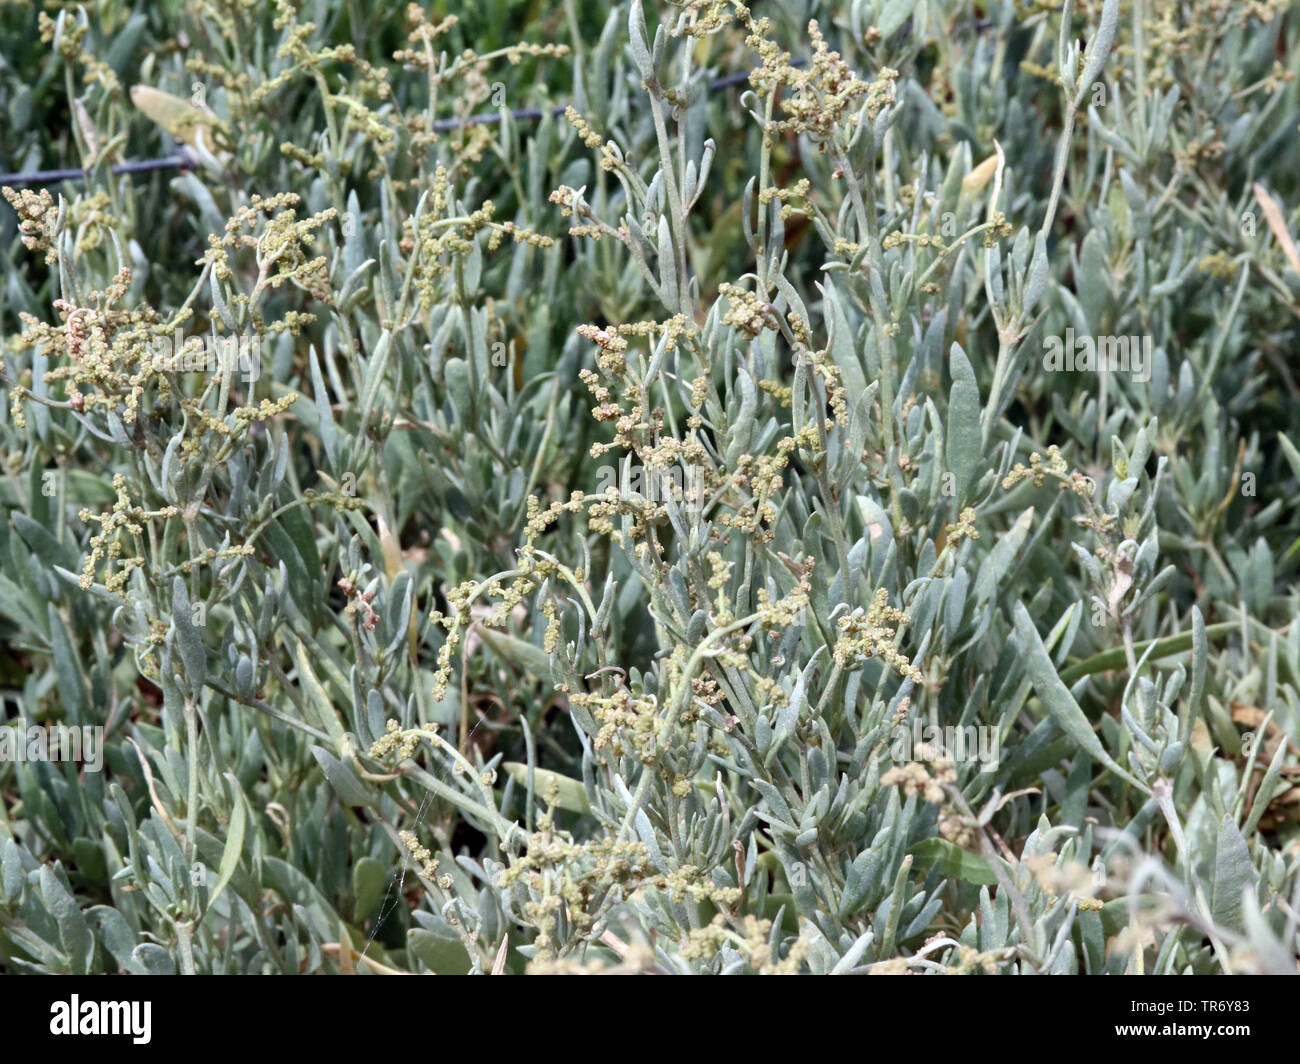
[(392, 552), (394, 561), (1123, 581), (1201, 737), (974, 182), (87, 127), (178, 117), (153, 792), (1253, 717), (346, 967), (1273, 215), (997, 179)]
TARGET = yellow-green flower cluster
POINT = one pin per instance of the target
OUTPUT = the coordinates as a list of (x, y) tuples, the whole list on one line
[(37, 218), (106, 545), (874, 634)]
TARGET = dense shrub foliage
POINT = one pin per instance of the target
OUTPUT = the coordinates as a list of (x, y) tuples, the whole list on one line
[(555, 487)]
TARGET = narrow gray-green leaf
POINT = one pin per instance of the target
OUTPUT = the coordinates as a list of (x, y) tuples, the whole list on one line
[(234, 840), (962, 430), (1233, 873), (952, 861), (570, 794), (193, 653), (1056, 696), (1099, 48)]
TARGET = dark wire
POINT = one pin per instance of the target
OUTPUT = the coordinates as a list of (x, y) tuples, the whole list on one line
[(181, 161), (186, 159)]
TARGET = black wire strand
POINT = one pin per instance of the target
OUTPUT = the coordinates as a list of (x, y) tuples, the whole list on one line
[(183, 160)]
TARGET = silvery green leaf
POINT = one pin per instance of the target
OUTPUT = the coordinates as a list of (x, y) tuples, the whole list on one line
[(341, 778), (11, 869), (440, 950), (401, 597), (996, 565), (853, 954), (993, 276), (193, 652), (1099, 48), (219, 304), (762, 735), (659, 49), (792, 297), (1038, 272), (1119, 493), (955, 603), (605, 611), (689, 182), (113, 932), (74, 933), (952, 861), (667, 260), (1290, 452), (893, 15), (698, 626), (518, 652), (637, 35), (72, 686), (1200, 655), (841, 343), (962, 431), (1232, 875), (1094, 286), (646, 833), (151, 959), (1056, 696), (1064, 68), (706, 164), (324, 411), (234, 846)]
